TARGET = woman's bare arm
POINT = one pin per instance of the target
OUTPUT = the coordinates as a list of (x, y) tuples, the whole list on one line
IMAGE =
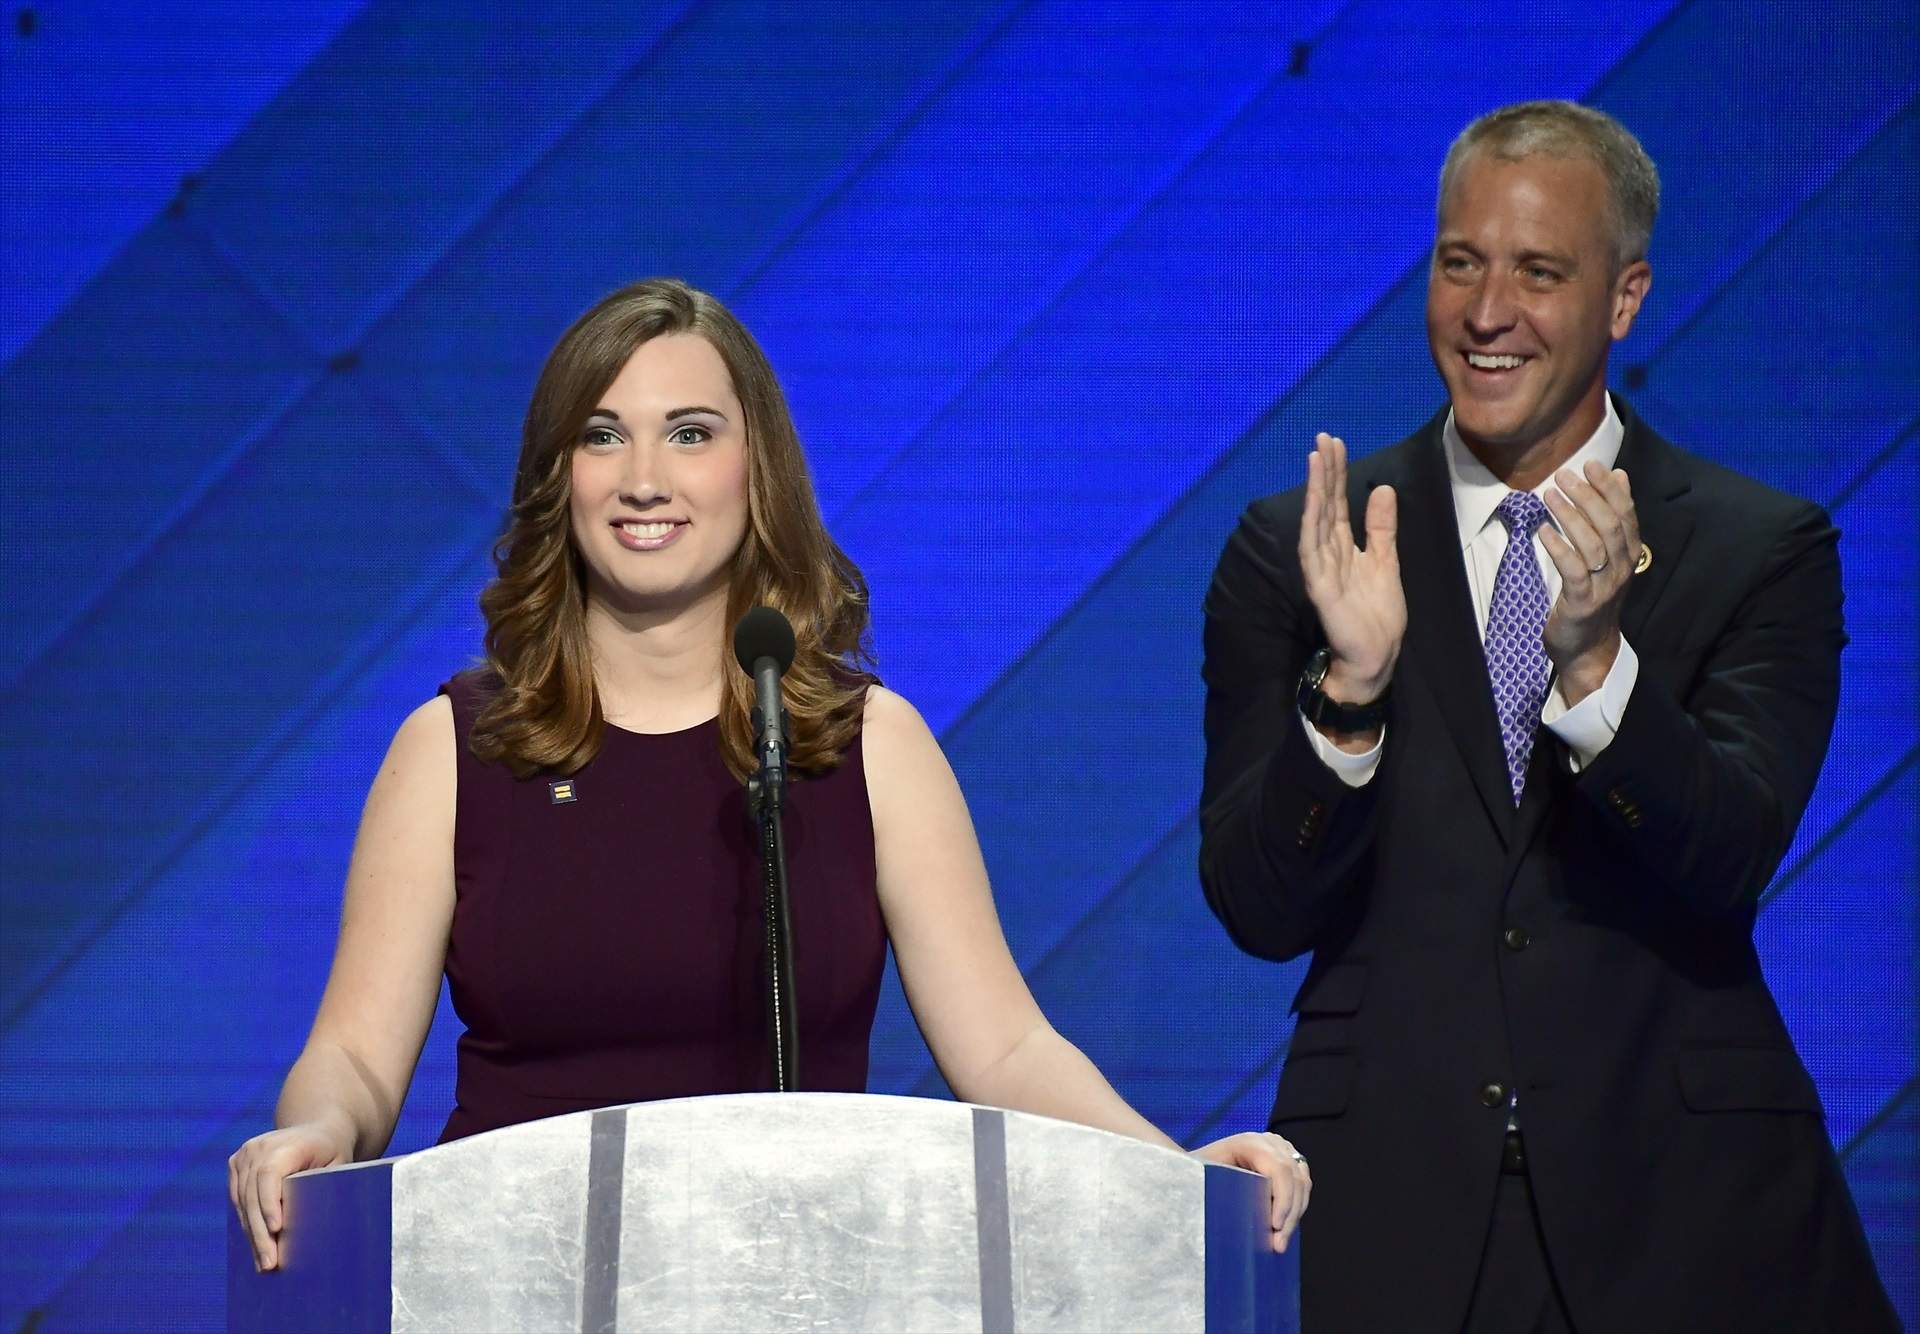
[(343, 1095)]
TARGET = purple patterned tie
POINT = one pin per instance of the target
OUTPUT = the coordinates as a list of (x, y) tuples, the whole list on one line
[(1516, 656)]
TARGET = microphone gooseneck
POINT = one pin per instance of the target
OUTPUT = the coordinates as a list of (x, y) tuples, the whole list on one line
[(763, 644)]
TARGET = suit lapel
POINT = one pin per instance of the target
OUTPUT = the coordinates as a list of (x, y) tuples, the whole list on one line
[(1660, 485), (1443, 638)]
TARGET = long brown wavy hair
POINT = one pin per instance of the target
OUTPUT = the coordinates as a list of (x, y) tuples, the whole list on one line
[(545, 714)]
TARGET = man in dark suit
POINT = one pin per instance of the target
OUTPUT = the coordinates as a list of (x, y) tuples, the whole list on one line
[(1516, 770)]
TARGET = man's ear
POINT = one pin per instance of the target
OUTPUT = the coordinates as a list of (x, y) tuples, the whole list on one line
[(1629, 290)]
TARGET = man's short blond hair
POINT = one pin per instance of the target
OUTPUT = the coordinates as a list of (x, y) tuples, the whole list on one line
[(1567, 129)]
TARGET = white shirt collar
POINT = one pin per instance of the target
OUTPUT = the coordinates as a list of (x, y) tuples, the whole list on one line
[(1477, 493)]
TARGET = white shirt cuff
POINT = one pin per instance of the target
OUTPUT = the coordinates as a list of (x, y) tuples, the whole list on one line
[(1590, 726), (1353, 770)]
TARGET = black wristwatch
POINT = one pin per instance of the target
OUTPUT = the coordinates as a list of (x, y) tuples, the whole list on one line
[(1317, 709)]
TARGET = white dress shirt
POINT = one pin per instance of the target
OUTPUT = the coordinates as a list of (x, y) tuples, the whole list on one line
[(1589, 726)]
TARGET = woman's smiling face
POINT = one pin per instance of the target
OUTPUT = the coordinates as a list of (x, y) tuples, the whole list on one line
[(659, 479)]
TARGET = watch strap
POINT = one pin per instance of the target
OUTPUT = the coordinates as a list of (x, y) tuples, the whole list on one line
[(1322, 711)]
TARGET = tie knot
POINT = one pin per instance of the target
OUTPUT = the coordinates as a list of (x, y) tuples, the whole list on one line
[(1522, 512)]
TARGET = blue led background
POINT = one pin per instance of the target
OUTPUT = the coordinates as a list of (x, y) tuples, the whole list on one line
[(1055, 289)]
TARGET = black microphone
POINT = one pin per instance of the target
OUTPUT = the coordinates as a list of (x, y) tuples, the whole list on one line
[(763, 644)]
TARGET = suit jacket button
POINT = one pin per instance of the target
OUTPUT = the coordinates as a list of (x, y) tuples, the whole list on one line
[(1516, 938), (1493, 1095)]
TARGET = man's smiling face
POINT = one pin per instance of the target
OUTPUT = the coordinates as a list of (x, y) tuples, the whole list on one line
[(1523, 302)]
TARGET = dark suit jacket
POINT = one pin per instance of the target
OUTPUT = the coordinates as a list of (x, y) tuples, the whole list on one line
[(1592, 949)]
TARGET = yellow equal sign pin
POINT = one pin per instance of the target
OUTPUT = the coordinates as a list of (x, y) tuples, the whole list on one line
[(561, 790)]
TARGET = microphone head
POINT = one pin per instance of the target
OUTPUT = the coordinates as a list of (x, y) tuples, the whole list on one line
[(763, 633)]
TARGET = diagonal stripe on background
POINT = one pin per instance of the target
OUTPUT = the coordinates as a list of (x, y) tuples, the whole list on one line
[(1154, 127), (332, 222), (81, 83)]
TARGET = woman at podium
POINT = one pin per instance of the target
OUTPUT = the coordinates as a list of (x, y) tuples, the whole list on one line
[(563, 830)]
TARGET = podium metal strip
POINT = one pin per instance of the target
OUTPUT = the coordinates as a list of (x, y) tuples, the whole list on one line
[(606, 1177), (995, 1232)]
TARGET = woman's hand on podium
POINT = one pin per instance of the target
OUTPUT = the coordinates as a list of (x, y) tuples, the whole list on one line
[(257, 1174), (1284, 1167)]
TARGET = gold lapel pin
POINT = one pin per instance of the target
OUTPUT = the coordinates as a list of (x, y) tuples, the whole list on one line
[(1645, 562)]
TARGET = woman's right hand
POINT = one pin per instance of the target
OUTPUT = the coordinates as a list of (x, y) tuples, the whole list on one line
[(257, 1174)]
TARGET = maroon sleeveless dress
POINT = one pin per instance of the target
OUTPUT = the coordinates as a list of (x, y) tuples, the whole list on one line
[(607, 941)]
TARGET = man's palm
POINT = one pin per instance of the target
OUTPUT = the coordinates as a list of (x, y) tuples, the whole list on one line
[(1355, 591)]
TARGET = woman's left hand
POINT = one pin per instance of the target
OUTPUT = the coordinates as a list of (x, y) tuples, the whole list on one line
[(1280, 1163)]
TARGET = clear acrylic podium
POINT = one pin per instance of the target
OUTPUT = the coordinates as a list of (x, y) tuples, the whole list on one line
[(797, 1211)]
